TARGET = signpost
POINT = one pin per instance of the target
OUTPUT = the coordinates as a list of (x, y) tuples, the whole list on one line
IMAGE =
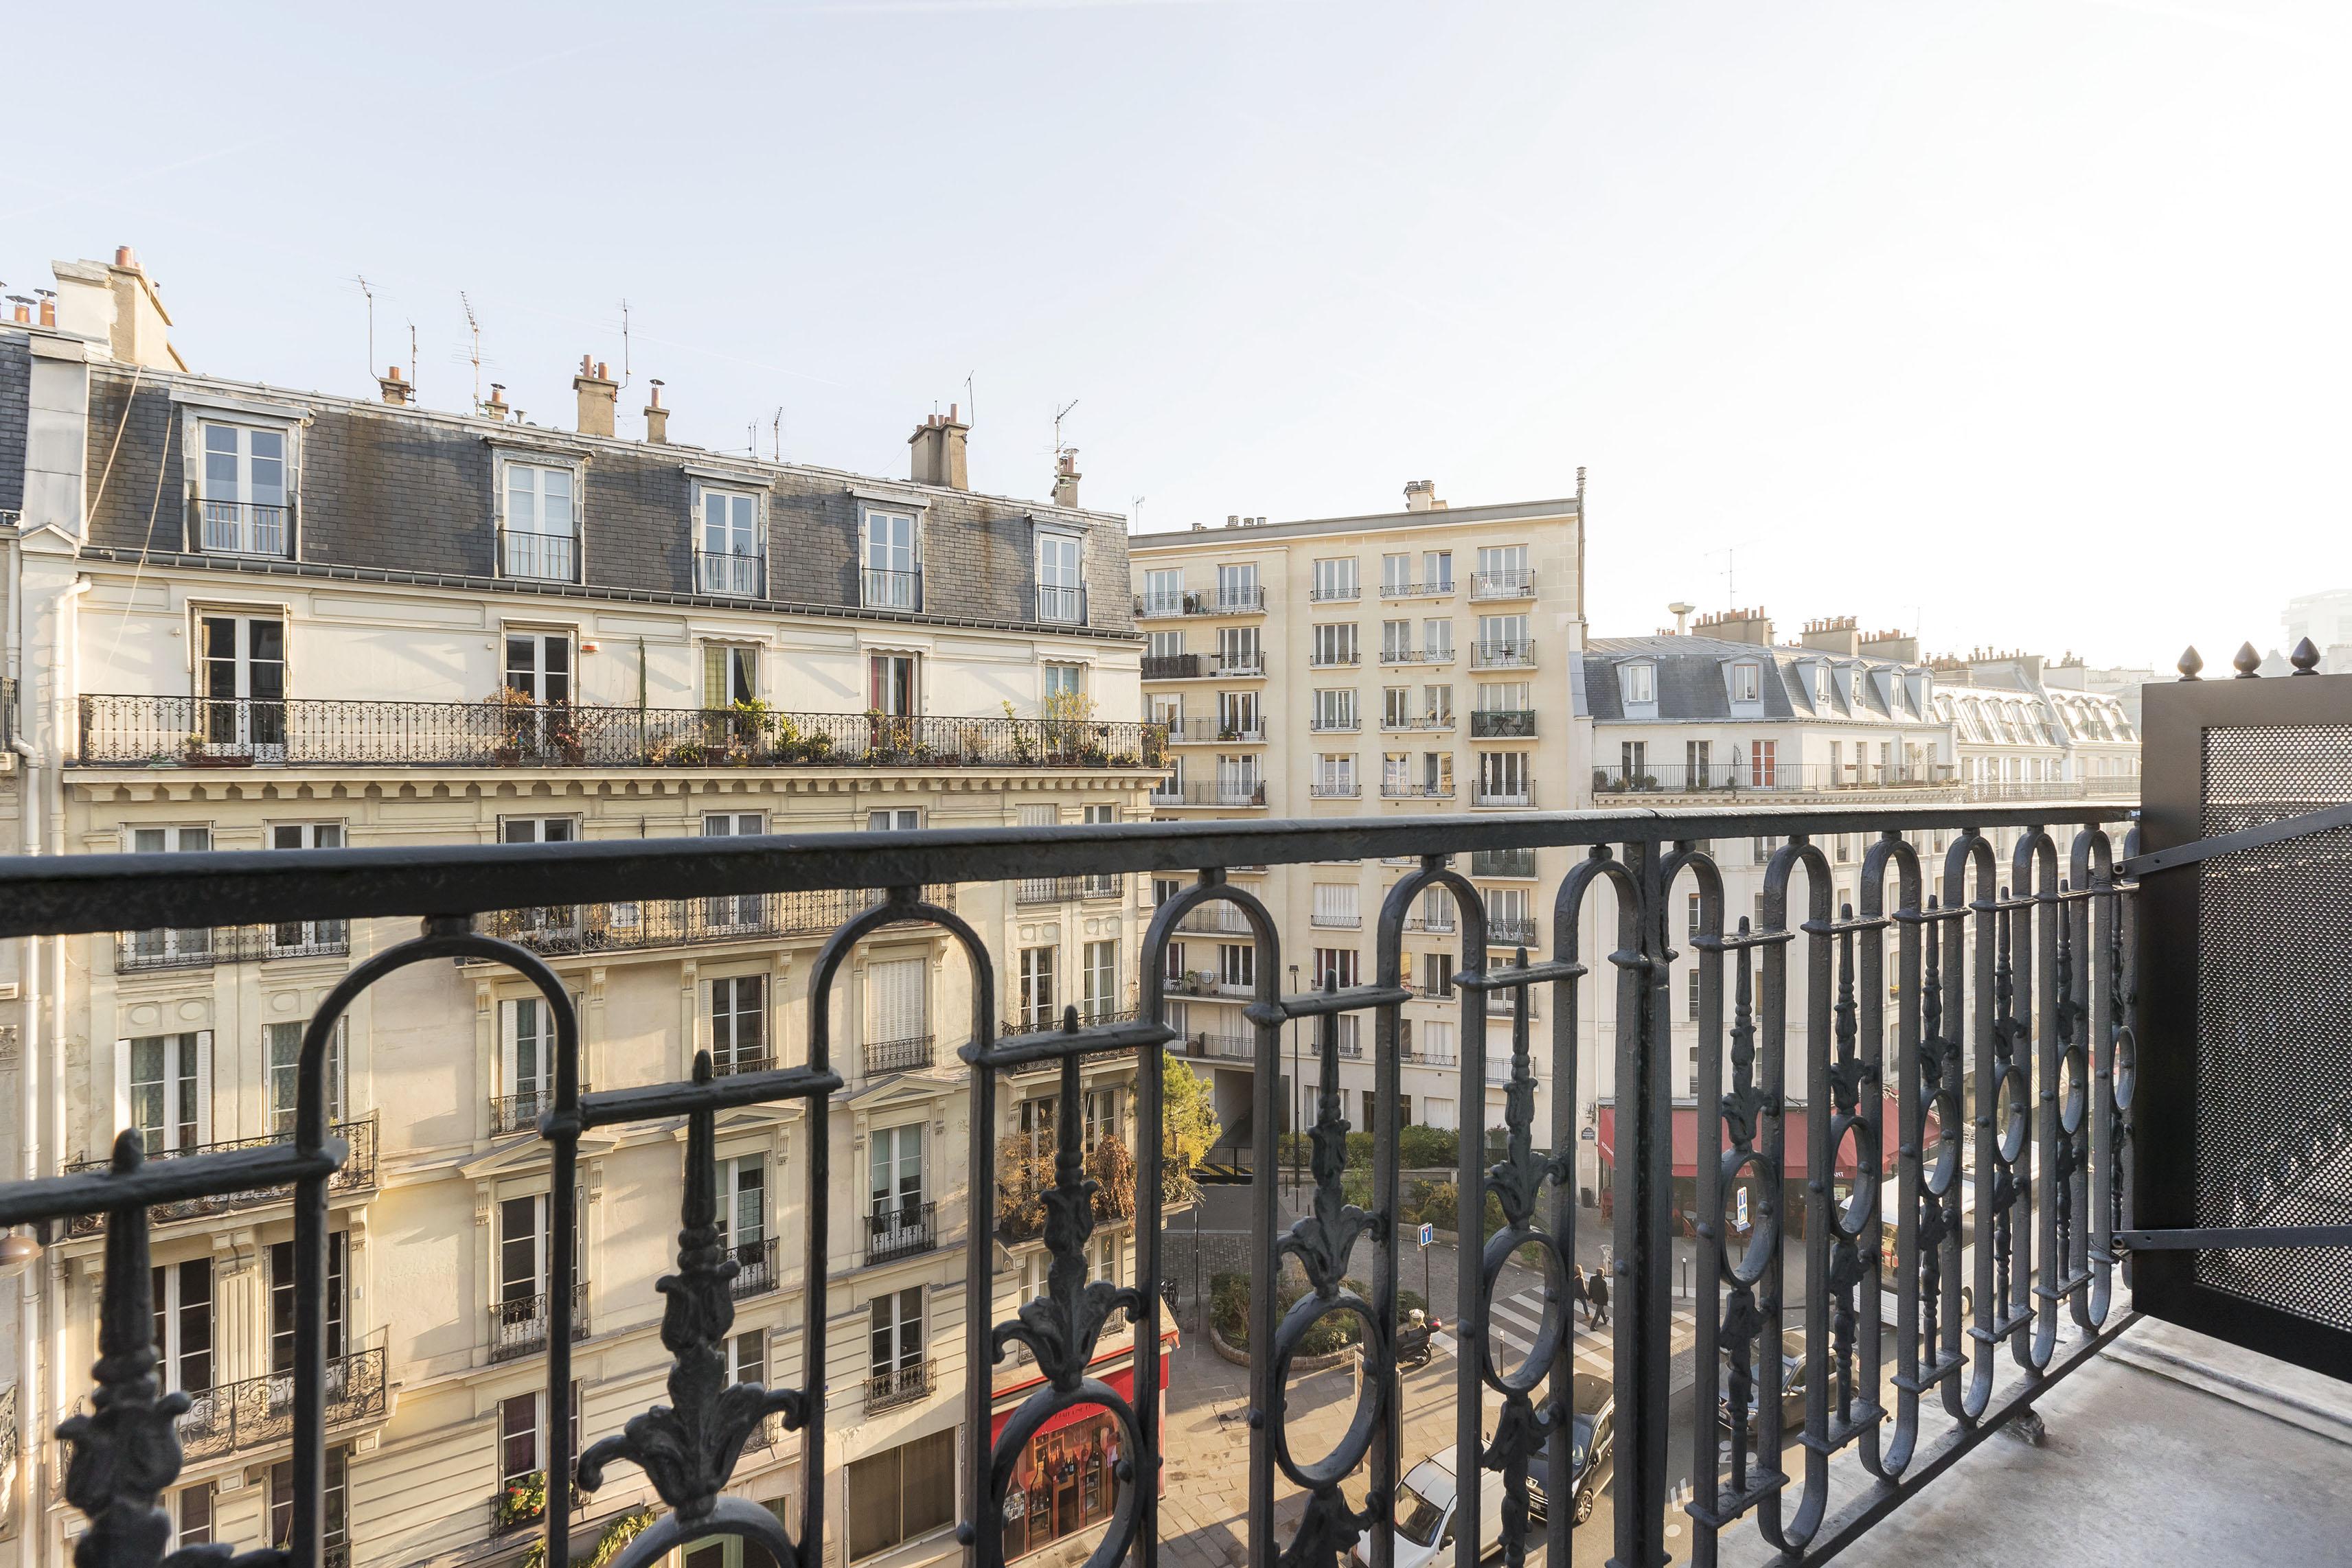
[(1428, 1234)]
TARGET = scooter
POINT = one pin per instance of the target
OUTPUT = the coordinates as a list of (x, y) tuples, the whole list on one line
[(1414, 1336)]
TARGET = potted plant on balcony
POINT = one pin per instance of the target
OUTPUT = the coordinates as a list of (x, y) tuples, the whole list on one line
[(524, 1501), (512, 723), (1113, 1169)]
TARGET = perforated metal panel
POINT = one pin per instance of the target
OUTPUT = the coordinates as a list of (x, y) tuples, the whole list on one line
[(2275, 1024)]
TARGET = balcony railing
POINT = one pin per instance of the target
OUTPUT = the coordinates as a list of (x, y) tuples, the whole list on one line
[(2045, 1002), (521, 1113), (1519, 655), (506, 732), (1432, 924), (1337, 919), (1198, 731), (1416, 789), (907, 1054), (1770, 776), (1517, 584), (1512, 931), (729, 575), (1246, 665), (1045, 890), (755, 1267), (1335, 790), (1216, 919), (243, 528), (519, 1324), (579, 928), (256, 1412), (544, 558), (1061, 606), (202, 947), (901, 1231), (1222, 1047), (1503, 724), (878, 589), (1502, 862), (1416, 655), (898, 1385), (1436, 721), (1519, 793), (357, 1173), (1436, 588), (1340, 593), (1335, 724), (1172, 794)]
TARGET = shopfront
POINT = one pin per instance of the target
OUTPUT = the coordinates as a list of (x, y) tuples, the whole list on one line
[(1742, 1204), (1064, 1482)]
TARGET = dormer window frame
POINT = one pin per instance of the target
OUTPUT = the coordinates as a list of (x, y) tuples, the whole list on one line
[(1746, 681), (1057, 603), (515, 552), (1637, 683), (730, 574), (220, 524)]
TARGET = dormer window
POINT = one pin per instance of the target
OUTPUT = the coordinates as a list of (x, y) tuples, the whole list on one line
[(1821, 685), (1061, 579), (1746, 682), (244, 501), (889, 554), (538, 527), (1853, 690), (730, 554), (1640, 684)]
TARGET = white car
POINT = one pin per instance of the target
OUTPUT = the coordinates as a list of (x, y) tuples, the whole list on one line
[(1424, 1516)]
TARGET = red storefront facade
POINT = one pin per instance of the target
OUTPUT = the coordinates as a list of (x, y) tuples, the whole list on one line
[(1797, 1148), (1063, 1484)]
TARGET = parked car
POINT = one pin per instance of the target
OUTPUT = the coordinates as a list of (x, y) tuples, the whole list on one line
[(1425, 1498), (1793, 1387)]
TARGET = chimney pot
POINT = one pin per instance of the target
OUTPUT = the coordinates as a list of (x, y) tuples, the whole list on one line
[(123, 258), (1066, 478), (396, 390), (937, 455), (597, 395), (49, 309)]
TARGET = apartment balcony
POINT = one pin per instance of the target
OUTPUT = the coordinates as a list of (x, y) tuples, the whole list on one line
[(1427, 1056), (509, 731), (1045, 890), (2123, 989), (511, 1114), (580, 930), (356, 1174), (909, 1054), (1210, 983), (1416, 655), (1334, 661), (1219, 1047), (519, 1324), (1519, 794), (1216, 601), (896, 1385), (1503, 724), (1503, 863), (257, 1412), (1428, 724), (242, 528), (539, 557), (1503, 656), (1347, 594), (1406, 789), (1221, 732), (1754, 776), (1216, 919), (1432, 925), (755, 1267), (1061, 606), (1328, 725), (1336, 920), (2052, 790), (1250, 665), (1491, 585), (903, 1232), (1513, 931), (878, 589), (1240, 796), (1435, 588), (136, 951), (1335, 790), (727, 574)]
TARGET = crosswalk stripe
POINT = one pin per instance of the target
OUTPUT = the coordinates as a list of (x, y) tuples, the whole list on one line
[(1532, 1324)]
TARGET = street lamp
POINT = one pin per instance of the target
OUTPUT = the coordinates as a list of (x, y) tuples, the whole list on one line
[(1296, 1088)]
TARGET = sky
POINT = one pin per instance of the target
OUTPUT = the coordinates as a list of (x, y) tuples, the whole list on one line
[(2017, 325)]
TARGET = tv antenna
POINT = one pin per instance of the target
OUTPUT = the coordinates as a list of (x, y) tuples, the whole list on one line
[(1060, 415), (625, 345), (1135, 509), (1730, 554), (971, 400), (474, 327), (412, 355), (361, 279), (776, 437)]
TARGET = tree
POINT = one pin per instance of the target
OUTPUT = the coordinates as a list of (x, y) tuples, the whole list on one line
[(1188, 1123)]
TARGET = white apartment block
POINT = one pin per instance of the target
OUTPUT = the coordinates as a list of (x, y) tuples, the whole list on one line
[(242, 618), (1408, 662)]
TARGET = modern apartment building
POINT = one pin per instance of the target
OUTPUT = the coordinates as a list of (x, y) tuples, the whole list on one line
[(243, 618), (1415, 662)]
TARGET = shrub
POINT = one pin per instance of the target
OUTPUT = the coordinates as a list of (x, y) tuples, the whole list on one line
[(1420, 1147)]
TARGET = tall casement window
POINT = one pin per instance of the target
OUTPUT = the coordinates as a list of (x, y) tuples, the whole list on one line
[(739, 1023), (1697, 774), (183, 1337), (282, 1309), (331, 1500), (1335, 709), (243, 700), (291, 938), (165, 947), (522, 1445), (1164, 591), (538, 665), (901, 1493), (540, 535), (896, 1337), (245, 505), (165, 1083), (730, 675), (1037, 988), (1762, 769), (1744, 682), (1334, 775), (1061, 579), (740, 910), (1237, 588), (891, 573), (1639, 683), (890, 683), (898, 1022), (1333, 644), (1502, 573), (1335, 579), (743, 1212), (894, 1175), (1100, 978), (1236, 964), (730, 557), (282, 1042), (1238, 653)]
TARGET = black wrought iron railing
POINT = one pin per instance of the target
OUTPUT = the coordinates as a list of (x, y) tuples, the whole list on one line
[(1502, 724), (506, 732), (1517, 583), (241, 528), (1250, 663), (1998, 979), (562, 930), (902, 1055), (204, 946), (1247, 793), (1228, 731), (1502, 655), (544, 558), (895, 1385), (1503, 863), (755, 1267), (521, 1113), (1214, 601), (256, 1412), (730, 574), (884, 589), (900, 1230), (1045, 890), (356, 1172)]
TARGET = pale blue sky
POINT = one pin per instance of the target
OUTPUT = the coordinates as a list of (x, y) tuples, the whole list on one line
[(2024, 322)]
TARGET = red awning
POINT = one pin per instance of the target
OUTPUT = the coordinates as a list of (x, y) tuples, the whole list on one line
[(1121, 1382), (1686, 1137)]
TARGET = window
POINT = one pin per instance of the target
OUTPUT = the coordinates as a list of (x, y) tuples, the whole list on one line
[(739, 910), (1037, 988), (1334, 709), (744, 1208), (526, 1028), (1437, 641), (1163, 592), (283, 1045), (896, 1337), (1502, 639), (1436, 980), (1237, 588), (1437, 571), (892, 575), (1396, 706), (1690, 999), (1633, 759), (739, 1023), (1339, 904), (1437, 773), (1502, 570), (1100, 976), (1237, 716), (242, 706), (730, 560), (165, 1089), (523, 1454), (1503, 778), (1101, 1117), (245, 507), (1237, 650), (1334, 642), (282, 1309), (183, 1335), (901, 1493), (1696, 774), (1396, 574), (1237, 965), (1762, 772), (1058, 685), (1335, 579), (1336, 965), (898, 1002), (538, 665), (890, 683), (1334, 775), (1692, 906), (1163, 645), (1744, 682), (1640, 682), (292, 937), (539, 536), (894, 1171), (1507, 916), (903, 819), (1061, 594), (191, 1509), (1437, 705), (1396, 641), (730, 675), (332, 1502)]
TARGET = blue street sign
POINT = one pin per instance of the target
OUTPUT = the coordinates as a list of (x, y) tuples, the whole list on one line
[(1428, 1233)]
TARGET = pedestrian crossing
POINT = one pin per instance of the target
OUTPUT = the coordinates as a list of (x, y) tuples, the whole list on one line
[(1518, 1318)]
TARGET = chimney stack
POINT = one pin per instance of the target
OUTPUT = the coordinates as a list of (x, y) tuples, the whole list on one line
[(938, 451), (598, 391), (1736, 626), (657, 419), (1895, 644), (1420, 496), (497, 407), (1833, 634), (1066, 478), (48, 305), (396, 391)]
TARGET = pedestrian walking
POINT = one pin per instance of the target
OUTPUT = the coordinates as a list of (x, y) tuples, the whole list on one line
[(1597, 1292), (1579, 1301)]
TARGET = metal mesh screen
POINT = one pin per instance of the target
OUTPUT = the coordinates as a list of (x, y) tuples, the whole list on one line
[(2274, 1058)]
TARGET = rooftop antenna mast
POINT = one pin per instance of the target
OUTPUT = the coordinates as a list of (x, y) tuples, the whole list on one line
[(1135, 507), (475, 327), (370, 313), (971, 399), (625, 345), (776, 437), (412, 354), (1730, 554), (1060, 415)]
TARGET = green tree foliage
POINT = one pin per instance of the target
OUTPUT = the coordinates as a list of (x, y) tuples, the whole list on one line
[(1189, 1129)]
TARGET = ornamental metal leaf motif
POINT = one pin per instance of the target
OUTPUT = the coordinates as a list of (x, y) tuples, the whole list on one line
[(1060, 1327), (689, 1448)]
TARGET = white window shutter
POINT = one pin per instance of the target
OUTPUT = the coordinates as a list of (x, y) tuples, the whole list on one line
[(203, 1086), (121, 1090)]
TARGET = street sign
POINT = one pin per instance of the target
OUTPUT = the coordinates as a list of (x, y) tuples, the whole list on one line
[(1741, 1219), (1428, 1233)]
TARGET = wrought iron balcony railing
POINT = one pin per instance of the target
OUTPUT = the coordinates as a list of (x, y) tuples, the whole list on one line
[(1215, 602), (884, 590), (1045, 890), (1435, 588), (1247, 665), (1223, 1047), (1768, 776), (901, 1231), (1518, 792), (544, 558), (506, 732), (1335, 790), (891, 1387), (902, 1055), (1515, 656), (1175, 794), (1502, 724), (1200, 731), (729, 575), (562, 930), (755, 1267), (1335, 593), (1428, 721), (255, 1412), (1442, 654), (355, 1174), (242, 528), (1061, 606), (1517, 584), (521, 1113), (1503, 863), (203, 947), (1416, 789), (519, 1324), (1895, 1026)]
